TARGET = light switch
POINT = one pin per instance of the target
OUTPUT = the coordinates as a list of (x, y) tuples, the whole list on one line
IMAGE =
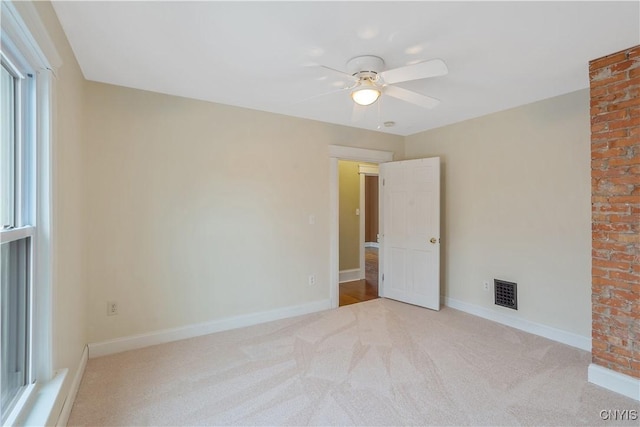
[(312, 219), (357, 212)]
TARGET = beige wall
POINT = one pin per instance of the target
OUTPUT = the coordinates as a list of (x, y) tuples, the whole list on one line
[(516, 206), (200, 211), (68, 215), (185, 211), (349, 222)]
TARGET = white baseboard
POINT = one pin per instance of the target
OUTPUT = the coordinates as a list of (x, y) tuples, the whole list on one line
[(63, 418), (167, 335), (569, 338), (350, 275), (614, 381), (371, 244)]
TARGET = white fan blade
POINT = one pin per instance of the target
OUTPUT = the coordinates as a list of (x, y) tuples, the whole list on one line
[(423, 70), (411, 97), (340, 73), (322, 95)]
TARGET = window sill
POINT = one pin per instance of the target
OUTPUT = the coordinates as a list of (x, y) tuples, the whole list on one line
[(44, 404)]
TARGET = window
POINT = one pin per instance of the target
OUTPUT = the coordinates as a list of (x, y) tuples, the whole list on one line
[(27, 74), (18, 230)]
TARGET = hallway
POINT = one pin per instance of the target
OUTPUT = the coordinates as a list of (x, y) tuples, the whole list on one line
[(364, 289)]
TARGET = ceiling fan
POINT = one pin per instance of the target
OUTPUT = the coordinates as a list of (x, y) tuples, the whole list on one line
[(369, 80)]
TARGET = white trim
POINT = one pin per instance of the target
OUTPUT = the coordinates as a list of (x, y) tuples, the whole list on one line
[(47, 403), (371, 170), (175, 334), (22, 22), (372, 245), (63, 418), (564, 337), (614, 381), (44, 231), (360, 154), (381, 256), (351, 275), (7, 236), (361, 224), (24, 400), (334, 261)]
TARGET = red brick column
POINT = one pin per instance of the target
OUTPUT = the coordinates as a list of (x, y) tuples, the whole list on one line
[(615, 201)]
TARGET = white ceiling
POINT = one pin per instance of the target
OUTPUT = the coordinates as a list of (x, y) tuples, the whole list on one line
[(261, 55)]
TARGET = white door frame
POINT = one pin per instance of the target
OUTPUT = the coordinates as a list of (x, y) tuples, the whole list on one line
[(339, 152)]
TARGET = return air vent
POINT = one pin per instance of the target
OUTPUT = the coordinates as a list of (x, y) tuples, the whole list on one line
[(506, 294)]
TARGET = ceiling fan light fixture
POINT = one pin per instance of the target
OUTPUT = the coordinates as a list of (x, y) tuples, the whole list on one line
[(366, 93), (365, 97)]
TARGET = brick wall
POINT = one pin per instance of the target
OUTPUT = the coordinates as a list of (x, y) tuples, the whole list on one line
[(615, 200)]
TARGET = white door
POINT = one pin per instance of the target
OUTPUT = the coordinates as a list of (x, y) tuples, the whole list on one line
[(410, 229)]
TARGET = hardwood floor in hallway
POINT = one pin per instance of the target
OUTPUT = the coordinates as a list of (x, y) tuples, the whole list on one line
[(365, 289)]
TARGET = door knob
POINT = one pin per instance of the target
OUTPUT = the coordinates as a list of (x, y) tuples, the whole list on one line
[(433, 240)]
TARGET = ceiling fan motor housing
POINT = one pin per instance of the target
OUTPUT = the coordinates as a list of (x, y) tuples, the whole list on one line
[(365, 66)]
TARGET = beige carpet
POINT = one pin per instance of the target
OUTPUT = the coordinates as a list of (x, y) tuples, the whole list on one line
[(376, 363)]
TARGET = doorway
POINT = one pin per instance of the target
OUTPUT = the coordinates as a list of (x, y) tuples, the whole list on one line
[(358, 232), (361, 155), (411, 191), (362, 290)]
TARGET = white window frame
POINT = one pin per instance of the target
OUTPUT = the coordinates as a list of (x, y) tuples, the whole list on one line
[(24, 218), (26, 43)]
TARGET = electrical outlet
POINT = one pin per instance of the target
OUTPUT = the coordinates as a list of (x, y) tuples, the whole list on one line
[(486, 285), (112, 308), (312, 280)]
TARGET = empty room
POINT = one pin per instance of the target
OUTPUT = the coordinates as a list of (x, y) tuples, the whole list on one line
[(320, 213)]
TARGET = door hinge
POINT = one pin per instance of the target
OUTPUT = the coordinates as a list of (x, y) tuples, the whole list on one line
[(383, 277), (383, 181)]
